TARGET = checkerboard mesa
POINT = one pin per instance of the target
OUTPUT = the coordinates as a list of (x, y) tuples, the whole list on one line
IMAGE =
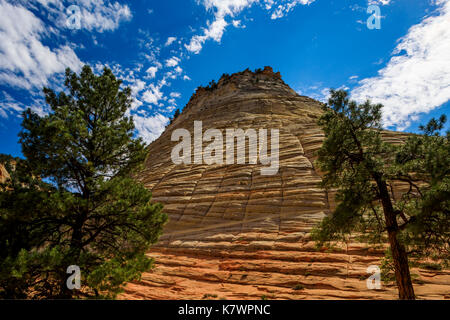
[(237, 234)]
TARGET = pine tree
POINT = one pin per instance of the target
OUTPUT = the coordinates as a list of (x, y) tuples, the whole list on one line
[(73, 200), (364, 170), (175, 115)]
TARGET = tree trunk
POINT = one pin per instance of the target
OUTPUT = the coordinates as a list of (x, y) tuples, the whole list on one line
[(73, 256), (399, 256), (402, 275)]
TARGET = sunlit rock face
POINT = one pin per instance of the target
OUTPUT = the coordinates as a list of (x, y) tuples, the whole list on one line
[(3, 174), (237, 234)]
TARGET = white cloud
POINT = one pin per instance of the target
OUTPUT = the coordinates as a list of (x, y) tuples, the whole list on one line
[(417, 78), (137, 87), (172, 62), (100, 16), (152, 72), (136, 104), (153, 94), (170, 108), (196, 44), (382, 2), (237, 24), (316, 92), (170, 40), (287, 6), (10, 107), (178, 69), (175, 94), (93, 15), (25, 61), (170, 75), (186, 78), (150, 128)]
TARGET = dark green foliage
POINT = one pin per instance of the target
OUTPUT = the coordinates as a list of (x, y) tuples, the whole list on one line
[(73, 201), (424, 163), (299, 287), (212, 85), (365, 171), (349, 169)]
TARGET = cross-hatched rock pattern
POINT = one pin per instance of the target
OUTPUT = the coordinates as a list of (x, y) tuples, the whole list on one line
[(234, 233)]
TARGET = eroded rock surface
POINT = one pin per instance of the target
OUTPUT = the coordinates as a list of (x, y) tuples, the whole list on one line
[(236, 234), (4, 175)]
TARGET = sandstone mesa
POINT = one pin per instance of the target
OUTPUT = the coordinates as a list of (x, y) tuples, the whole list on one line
[(236, 234)]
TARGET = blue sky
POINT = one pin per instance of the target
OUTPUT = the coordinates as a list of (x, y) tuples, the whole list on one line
[(165, 49)]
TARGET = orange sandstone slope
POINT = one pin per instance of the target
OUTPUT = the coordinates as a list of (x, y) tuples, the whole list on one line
[(236, 234)]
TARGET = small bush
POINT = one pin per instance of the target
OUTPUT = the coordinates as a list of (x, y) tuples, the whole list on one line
[(431, 266), (299, 287)]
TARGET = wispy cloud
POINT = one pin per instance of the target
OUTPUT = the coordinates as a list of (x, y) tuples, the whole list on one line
[(153, 94), (287, 6), (170, 40), (223, 9), (152, 71), (382, 2), (172, 62)]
